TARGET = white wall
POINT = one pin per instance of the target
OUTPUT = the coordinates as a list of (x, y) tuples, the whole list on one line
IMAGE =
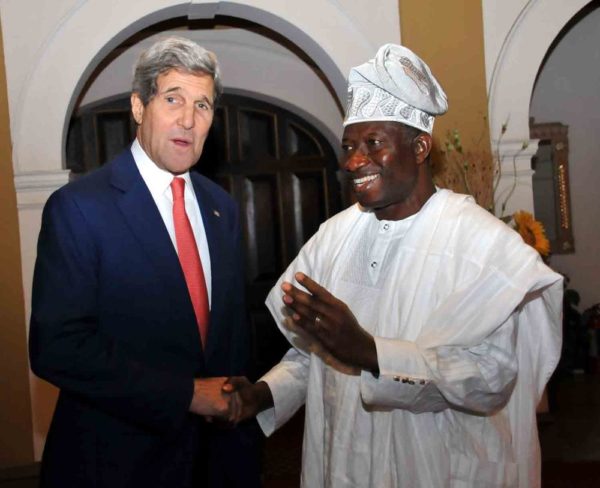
[(568, 91)]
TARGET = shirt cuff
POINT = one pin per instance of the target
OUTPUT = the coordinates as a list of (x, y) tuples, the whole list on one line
[(288, 397), (403, 374), (266, 421)]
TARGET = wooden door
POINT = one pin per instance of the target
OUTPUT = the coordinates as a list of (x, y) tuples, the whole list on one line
[(279, 168)]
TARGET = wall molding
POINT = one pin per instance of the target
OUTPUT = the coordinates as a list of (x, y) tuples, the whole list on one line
[(33, 189)]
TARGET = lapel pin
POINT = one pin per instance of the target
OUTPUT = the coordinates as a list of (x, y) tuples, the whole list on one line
[(216, 212)]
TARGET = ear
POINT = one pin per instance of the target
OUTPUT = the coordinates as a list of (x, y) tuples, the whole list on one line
[(422, 146), (137, 108)]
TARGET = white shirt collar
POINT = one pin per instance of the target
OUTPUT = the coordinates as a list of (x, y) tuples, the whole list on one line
[(157, 179)]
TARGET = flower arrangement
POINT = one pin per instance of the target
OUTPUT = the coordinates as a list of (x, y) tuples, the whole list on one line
[(532, 231), (478, 172)]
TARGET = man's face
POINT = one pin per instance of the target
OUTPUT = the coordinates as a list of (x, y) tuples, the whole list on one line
[(383, 168), (174, 124)]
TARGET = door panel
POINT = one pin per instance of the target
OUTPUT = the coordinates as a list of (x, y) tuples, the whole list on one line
[(262, 241), (113, 132), (257, 134)]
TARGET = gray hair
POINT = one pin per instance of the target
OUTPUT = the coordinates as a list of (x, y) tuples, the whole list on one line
[(170, 53)]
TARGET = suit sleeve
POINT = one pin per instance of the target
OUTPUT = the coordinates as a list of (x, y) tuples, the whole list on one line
[(67, 347)]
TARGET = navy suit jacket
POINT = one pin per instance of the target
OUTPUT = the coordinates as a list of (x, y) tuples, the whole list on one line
[(113, 327)]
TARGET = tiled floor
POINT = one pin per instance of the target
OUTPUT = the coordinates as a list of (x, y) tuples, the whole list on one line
[(569, 435)]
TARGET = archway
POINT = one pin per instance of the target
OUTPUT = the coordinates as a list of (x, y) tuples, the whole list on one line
[(513, 61), (517, 63)]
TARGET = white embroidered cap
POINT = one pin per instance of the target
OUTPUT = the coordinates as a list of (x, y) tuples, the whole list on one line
[(395, 86)]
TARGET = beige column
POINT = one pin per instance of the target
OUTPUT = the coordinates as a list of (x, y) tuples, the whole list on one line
[(16, 438), (449, 37)]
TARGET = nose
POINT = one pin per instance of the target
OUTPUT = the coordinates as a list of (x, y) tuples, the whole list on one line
[(355, 160), (186, 117)]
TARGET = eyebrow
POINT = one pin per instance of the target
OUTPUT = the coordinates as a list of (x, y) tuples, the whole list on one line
[(204, 98), (207, 100)]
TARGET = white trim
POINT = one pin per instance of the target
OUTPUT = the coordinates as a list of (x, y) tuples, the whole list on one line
[(33, 189), (524, 44)]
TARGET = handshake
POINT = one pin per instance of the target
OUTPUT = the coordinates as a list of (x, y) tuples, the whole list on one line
[(232, 399)]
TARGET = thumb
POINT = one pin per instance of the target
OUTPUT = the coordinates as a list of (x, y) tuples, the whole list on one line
[(232, 384)]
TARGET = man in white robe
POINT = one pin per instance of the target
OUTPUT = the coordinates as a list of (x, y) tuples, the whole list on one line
[(424, 329)]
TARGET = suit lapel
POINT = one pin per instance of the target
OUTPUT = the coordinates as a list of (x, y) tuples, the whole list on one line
[(143, 218)]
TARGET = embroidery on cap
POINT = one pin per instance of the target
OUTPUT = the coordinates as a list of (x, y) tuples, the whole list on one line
[(414, 74), (388, 107), (379, 97), (425, 119), (406, 112), (362, 97)]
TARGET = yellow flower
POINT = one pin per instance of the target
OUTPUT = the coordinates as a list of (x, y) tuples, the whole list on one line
[(532, 232)]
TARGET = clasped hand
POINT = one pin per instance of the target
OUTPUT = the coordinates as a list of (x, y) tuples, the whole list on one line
[(231, 400), (327, 319)]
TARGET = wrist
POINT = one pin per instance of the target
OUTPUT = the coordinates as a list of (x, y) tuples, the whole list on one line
[(263, 396), (370, 360)]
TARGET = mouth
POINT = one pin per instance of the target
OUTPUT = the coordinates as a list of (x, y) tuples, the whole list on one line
[(181, 142), (362, 183)]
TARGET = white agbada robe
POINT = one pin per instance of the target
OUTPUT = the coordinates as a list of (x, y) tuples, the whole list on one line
[(467, 324)]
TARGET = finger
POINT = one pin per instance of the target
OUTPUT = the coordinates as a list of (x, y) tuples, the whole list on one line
[(313, 287), (302, 302), (294, 292), (234, 408), (228, 386), (325, 304), (303, 312), (312, 326), (233, 383), (226, 410)]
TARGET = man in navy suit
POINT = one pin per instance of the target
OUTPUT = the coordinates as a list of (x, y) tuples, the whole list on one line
[(115, 324)]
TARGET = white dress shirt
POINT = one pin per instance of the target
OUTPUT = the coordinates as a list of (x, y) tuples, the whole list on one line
[(158, 182)]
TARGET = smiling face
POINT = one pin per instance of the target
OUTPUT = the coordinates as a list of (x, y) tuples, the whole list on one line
[(173, 125), (386, 164)]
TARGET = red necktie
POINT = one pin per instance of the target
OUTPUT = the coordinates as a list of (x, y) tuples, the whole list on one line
[(189, 258)]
